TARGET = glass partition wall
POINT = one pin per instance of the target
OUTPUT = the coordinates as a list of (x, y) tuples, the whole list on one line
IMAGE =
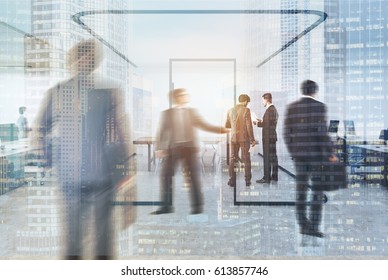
[(216, 51)]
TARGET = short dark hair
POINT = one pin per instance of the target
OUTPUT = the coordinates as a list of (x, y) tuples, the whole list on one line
[(243, 98), (22, 110), (309, 87), (267, 96)]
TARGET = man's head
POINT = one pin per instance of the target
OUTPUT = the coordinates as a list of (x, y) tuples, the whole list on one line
[(85, 56), (267, 98), (22, 110), (244, 99), (179, 96), (309, 88)]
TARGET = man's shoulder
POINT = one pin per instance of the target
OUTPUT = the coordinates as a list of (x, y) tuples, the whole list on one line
[(238, 110), (293, 104), (272, 108), (165, 113), (171, 110), (233, 110), (59, 88), (306, 101), (310, 100), (317, 105)]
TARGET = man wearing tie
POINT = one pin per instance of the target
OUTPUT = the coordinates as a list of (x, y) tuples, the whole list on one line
[(177, 140), (269, 137)]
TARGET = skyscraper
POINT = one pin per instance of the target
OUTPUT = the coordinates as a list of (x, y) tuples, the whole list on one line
[(362, 45)]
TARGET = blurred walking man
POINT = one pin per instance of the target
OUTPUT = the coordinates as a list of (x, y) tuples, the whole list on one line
[(177, 141), (307, 140)]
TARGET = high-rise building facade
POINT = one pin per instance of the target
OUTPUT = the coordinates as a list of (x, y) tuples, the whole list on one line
[(15, 24), (283, 73), (142, 107), (361, 32)]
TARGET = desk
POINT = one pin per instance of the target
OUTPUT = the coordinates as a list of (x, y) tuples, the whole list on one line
[(14, 147), (376, 148), (373, 156), (12, 161), (213, 142), (149, 141), (210, 141)]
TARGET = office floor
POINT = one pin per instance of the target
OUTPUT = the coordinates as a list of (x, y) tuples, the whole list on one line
[(355, 222)]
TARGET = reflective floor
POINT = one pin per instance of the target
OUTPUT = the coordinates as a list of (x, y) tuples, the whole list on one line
[(355, 221)]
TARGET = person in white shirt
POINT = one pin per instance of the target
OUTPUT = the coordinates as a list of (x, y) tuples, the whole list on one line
[(22, 123)]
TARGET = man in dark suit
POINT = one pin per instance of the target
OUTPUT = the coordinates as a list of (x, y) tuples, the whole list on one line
[(307, 140), (239, 119), (269, 138), (177, 141)]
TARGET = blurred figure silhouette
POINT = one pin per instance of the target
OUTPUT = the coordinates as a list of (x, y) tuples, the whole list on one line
[(177, 141), (22, 123), (269, 138), (307, 140), (239, 119), (83, 134)]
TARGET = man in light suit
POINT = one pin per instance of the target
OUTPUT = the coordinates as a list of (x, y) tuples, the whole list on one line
[(239, 119), (269, 138), (177, 141), (307, 140)]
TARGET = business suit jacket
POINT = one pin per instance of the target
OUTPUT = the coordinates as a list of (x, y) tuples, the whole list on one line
[(82, 137), (239, 119), (305, 130), (83, 134), (167, 136), (177, 136), (270, 120)]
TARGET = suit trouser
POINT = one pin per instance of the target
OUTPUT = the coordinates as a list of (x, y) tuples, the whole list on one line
[(304, 171), (79, 202), (189, 157), (245, 158), (270, 160)]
